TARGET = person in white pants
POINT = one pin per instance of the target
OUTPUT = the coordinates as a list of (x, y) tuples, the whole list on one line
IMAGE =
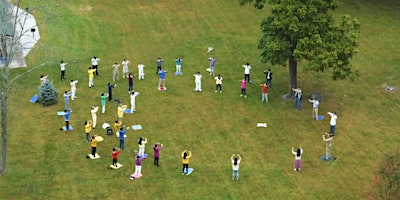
[(141, 71), (142, 144), (138, 165), (125, 68), (93, 111), (197, 80), (73, 88), (133, 101)]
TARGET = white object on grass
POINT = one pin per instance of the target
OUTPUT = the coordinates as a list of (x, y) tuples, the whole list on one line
[(94, 157), (263, 125), (208, 69), (210, 49), (133, 176), (60, 113), (189, 171), (137, 127), (105, 125), (116, 167)]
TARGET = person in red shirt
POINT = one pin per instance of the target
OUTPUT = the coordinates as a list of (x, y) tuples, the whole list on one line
[(264, 90), (115, 153)]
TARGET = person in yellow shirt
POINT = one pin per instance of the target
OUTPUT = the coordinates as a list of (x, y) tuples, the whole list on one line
[(93, 143), (88, 128), (186, 155), (121, 110), (91, 76), (117, 126)]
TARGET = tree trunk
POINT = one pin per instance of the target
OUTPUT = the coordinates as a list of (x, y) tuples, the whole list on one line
[(3, 106), (292, 75)]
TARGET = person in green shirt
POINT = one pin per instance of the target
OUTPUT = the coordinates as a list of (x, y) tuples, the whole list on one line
[(103, 102)]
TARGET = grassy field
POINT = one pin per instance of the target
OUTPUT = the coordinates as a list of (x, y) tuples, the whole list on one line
[(45, 163)]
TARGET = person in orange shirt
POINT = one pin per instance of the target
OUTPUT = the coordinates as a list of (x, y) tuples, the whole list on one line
[(93, 143), (264, 92), (88, 128), (117, 126), (186, 155)]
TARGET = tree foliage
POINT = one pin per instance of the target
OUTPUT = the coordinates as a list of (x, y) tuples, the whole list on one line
[(304, 30), (47, 93)]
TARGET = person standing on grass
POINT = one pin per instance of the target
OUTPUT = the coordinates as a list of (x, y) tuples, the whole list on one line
[(247, 69), (186, 155), (62, 66), (218, 83), (297, 158), (178, 62), (115, 152), (115, 67), (315, 103), (297, 97), (95, 63), (67, 117), (268, 77), (243, 86), (88, 128), (328, 141), (91, 76), (125, 68), (73, 88), (142, 144), (162, 75), (138, 165), (130, 82), (110, 88), (117, 126), (93, 112), (120, 112), (66, 99), (141, 71), (333, 122), (264, 92), (43, 79), (133, 101), (235, 160), (103, 98), (157, 148), (159, 62), (93, 143), (197, 80), (122, 137), (212, 65)]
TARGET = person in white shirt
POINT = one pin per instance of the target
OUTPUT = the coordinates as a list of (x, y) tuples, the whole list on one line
[(328, 153), (93, 111), (115, 72), (197, 80), (73, 89), (125, 68), (315, 103), (133, 101), (235, 160), (297, 158), (142, 144), (333, 122), (218, 83), (95, 63), (247, 69), (62, 66), (141, 71)]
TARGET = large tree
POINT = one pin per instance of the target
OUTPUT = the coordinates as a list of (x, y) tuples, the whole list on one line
[(304, 30)]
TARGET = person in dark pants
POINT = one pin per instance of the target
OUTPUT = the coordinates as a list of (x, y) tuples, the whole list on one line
[(157, 150), (159, 64), (93, 143), (62, 66), (110, 88), (67, 117), (186, 155), (115, 153), (95, 63)]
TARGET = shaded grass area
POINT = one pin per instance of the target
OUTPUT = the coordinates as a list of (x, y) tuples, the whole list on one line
[(45, 163)]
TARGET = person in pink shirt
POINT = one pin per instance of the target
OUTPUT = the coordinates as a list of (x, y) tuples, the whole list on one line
[(244, 85), (138, 165), (157, 148)]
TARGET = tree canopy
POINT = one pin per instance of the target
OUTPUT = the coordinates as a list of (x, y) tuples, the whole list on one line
[(304, 30)]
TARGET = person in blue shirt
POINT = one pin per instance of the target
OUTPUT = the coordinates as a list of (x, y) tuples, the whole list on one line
[(159, 64), (178, 66), (67, 117), (162, 74), (122, 137), (110, 88)]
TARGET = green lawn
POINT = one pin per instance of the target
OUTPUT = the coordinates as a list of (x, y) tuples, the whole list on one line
[(45, 163)]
